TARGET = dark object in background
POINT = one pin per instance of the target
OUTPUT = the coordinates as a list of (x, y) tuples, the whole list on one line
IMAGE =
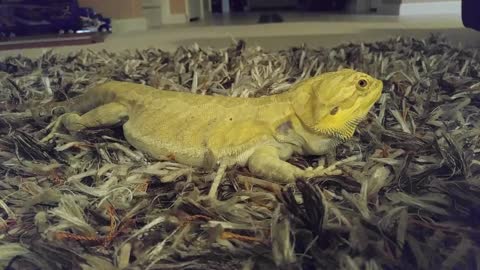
[(276, 18), (43, 17), (33, 17), (264, 18), (216, 6), (470, 14), (324, 5), (237, 5), (94, 22), (270, 18)]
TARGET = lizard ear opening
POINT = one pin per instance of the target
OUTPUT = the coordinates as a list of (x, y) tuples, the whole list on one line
[(334, 110)]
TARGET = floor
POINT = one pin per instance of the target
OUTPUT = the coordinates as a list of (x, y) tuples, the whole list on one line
[(313, 29), (439, 20), (241, 18)]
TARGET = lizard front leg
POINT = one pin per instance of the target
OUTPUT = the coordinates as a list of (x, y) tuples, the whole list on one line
[(106, 115), (265, 162)]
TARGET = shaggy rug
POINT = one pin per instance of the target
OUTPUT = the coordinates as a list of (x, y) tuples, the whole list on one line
[(91, 201)]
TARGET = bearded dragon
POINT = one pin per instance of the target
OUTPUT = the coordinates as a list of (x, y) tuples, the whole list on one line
[(207, 131)]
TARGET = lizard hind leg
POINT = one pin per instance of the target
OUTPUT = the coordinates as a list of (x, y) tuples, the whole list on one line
[(103, 116)]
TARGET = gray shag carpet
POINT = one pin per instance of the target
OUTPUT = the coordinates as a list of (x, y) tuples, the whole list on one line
[(91, 201)]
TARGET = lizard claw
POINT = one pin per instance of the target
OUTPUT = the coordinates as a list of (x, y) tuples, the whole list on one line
[(322, 171), (327, 171), (54, 126)]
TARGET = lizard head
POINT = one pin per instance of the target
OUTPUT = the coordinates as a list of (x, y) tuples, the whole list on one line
[(334, 103), (42, 112)]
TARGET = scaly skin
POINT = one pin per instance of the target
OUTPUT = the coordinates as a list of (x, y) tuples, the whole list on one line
[(207, 131)]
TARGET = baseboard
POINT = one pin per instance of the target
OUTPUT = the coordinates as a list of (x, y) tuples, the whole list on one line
[(174, 18), (356, 7), (158, 13), (129, 25), (388, 9), (153, 15), (442, 7)]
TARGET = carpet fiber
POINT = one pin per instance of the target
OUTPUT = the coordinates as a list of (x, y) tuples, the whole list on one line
[(91, 201)]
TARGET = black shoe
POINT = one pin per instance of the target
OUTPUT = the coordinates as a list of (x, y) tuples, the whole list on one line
[(277, 18), (264, 18)]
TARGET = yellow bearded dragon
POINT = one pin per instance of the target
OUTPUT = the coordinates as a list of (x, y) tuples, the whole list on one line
[(219, 131)]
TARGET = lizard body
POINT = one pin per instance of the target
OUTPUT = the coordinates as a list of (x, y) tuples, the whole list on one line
[(206, 131)]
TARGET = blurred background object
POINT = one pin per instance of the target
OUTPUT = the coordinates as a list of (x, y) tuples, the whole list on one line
[(37, 23), (169, 23), (471, 14), (41, 17)]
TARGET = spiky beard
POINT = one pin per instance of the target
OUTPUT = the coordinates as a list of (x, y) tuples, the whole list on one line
[(342, 134)]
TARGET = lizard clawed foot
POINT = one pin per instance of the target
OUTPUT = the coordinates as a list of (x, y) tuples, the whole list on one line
[(54, 126), (327, 171), (70, 121), (321, 171)]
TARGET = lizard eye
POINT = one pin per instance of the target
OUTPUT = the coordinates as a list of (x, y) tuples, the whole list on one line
[(362, 83), (58, 111)]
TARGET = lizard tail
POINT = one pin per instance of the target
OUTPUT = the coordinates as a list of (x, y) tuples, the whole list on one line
[(93, 97)]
